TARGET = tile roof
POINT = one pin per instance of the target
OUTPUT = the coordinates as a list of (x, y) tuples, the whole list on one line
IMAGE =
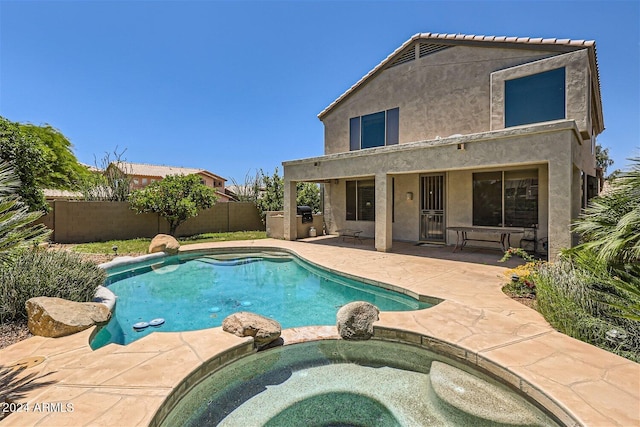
[(50, 193), (161, 170), (567, 45)]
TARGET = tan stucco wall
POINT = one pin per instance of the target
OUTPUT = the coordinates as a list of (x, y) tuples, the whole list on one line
[(275, 225), (407, 212), (442, 94)]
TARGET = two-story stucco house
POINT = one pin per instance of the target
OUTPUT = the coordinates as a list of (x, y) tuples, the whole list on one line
[(452, 131)]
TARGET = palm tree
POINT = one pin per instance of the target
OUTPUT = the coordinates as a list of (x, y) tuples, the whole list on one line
[(16, 229), (610, 226)]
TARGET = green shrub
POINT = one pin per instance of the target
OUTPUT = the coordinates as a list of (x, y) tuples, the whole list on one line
[(580, 303), (36, 273)]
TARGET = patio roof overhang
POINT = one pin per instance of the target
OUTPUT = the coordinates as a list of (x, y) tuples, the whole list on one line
[(539, 143)]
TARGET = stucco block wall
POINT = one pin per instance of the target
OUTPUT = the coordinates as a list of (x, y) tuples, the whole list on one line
[(80, 222), (275, 225), (445, 93)]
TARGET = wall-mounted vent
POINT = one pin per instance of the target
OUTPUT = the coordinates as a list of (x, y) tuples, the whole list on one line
[(429, 48), (408, 55)]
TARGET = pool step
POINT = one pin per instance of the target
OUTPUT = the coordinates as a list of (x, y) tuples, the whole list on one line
[(239, 259), (229, 262), (467, 393)]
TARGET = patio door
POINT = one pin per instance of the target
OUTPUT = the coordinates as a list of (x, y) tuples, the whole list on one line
[(432, 227)]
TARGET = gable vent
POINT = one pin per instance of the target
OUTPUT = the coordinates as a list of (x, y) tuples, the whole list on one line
[(429, 48), (407, 56)]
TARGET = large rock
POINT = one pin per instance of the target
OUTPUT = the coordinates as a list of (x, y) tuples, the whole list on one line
[(244, 324), (164, 243), (355, 320), (57, 317)]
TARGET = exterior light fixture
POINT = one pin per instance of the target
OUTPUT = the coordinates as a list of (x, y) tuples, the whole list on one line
[(409, 195)]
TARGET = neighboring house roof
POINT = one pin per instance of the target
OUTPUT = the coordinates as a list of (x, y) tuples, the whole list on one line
[(61, 194), (91, 168), (160, 171), (562, 45)]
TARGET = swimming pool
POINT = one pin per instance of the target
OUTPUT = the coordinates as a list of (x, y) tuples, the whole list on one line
[(197, 291)]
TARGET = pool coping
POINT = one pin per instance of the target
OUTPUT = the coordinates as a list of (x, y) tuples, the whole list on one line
[(475, 322)]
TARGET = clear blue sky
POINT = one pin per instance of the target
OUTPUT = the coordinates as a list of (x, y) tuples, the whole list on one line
[(235, 86)]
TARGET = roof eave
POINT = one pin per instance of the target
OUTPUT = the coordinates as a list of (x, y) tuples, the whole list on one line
[(563, 45)]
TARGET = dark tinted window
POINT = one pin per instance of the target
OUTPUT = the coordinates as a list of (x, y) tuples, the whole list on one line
[(354, 134), (393, 125), (487, 199), (373, 133), (374, 130), (536, 98), (361, 200)]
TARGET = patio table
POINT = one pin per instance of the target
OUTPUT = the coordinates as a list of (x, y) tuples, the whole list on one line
[(502, 235)]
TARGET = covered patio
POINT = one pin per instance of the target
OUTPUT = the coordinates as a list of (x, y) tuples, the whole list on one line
[(525, 176)]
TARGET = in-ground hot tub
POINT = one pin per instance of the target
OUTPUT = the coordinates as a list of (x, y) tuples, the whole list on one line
[(336, 382)]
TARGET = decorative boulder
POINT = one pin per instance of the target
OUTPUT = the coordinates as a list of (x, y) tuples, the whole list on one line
[(244, 324), (164, 243), (57, 317), (355, 320)]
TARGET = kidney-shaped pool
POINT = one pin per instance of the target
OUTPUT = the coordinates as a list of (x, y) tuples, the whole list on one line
[(197, 291)]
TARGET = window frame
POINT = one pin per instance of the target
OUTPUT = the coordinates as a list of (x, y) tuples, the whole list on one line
[(524, 95), (504, 213), (390, 133), (358, 211)]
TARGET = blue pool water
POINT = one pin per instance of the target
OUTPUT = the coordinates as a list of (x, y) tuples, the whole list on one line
[(198, 293)]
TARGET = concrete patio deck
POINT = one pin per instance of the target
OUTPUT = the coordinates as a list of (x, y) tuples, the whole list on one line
[(126, 385)]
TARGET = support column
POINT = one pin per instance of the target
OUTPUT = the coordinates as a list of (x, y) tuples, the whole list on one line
[(383, 213), (561, 204), (290, 210)]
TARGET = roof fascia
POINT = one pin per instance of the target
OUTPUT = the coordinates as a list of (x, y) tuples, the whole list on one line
[(486, 42)]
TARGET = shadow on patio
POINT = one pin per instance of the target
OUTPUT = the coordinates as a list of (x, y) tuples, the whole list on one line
[(484, 256)]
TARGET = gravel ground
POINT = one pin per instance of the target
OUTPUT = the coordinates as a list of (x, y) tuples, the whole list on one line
[(13, 332)]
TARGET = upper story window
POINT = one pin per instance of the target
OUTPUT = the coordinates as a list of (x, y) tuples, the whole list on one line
[(374, 130), (536, 98)]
